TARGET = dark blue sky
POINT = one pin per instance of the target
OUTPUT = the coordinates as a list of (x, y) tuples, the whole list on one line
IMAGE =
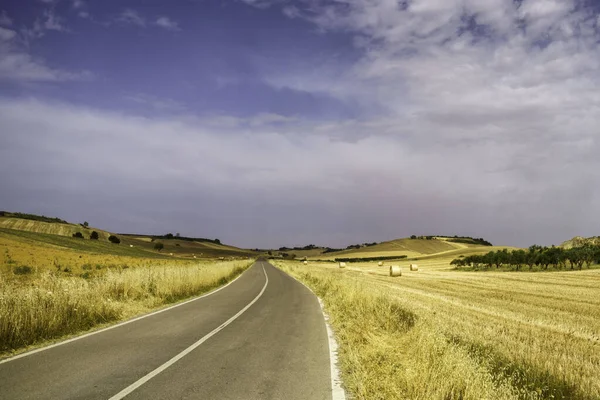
[(214, 62)]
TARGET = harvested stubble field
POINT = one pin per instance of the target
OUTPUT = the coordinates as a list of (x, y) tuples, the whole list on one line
[(444, 334), (49, 291)]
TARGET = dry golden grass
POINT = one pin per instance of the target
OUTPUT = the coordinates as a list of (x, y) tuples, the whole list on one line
[(47, 251), (473, 336), (400, 247), (17, 251), (48, 227), (48, 305), (411, 248), (47, 291)]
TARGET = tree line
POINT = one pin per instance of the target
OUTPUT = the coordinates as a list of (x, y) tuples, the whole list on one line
[(539, 256), (33, 217), (455, 239), (367, 259)]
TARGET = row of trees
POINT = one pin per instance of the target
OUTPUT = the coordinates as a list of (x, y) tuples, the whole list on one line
[(327, 249), (94, 236), (309, 247), (456, 239), (33, 217), (541, 257), (170, 236)]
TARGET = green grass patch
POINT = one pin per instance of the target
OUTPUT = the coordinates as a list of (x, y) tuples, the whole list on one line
[(92, 246)]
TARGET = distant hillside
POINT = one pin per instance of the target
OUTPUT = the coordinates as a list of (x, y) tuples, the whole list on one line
[(53, 230), (415, 246), (406, 246), (579, 241)]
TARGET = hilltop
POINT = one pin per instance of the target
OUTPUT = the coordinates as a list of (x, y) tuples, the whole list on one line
[(579, 241), (47, 225)]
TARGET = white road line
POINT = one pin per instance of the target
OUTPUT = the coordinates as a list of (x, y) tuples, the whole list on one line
[(185, 352), (119, 324), (337, 391)]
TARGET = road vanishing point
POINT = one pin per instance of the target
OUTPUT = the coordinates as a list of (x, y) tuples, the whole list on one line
[(263, 336)]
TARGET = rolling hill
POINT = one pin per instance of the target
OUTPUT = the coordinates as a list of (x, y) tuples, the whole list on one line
[(407, 247), (579, 241), (60, 233), (51, 228), (401, 248)]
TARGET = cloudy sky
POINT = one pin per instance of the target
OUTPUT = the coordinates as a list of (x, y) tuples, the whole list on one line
[(277, 122)]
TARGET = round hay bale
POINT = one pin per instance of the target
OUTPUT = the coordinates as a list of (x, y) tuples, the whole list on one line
[(130, 245), (342, 265), (414, 267), (170, 254), (395, 270), (305, 262), (380, 263)]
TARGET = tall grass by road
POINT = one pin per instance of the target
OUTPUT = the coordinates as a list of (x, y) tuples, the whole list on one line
[(440, 334), (49, 305)]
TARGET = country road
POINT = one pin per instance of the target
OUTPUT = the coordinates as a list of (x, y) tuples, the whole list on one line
[(261, 337)]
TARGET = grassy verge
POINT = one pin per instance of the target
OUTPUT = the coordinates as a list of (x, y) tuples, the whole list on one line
[(50, 305), (399, 343)]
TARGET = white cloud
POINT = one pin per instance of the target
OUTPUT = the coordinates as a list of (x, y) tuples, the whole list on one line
[(430, 60), (21, 66), (78, 4), (83, 14), (167, 23), (4, 19), (131, 17), (156, 103), (7, 34), (501, 97), (53, 22), (263, 3), (505, 188), (17, 64)]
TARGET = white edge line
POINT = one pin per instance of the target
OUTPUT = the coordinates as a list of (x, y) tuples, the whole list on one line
[(185, 352), (28, 353), (337, 391)]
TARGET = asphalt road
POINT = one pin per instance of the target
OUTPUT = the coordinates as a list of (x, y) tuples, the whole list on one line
[(276, 348)]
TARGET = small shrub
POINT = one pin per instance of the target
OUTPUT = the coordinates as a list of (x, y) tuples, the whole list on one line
[(67, 270), (23, 270), (94, 235), (114, 239), (78, 235), (158, 246), (86, 267)]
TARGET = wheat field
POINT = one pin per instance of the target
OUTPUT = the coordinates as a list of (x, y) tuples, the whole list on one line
[(49, 305), (49, 291), (444, 334)]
